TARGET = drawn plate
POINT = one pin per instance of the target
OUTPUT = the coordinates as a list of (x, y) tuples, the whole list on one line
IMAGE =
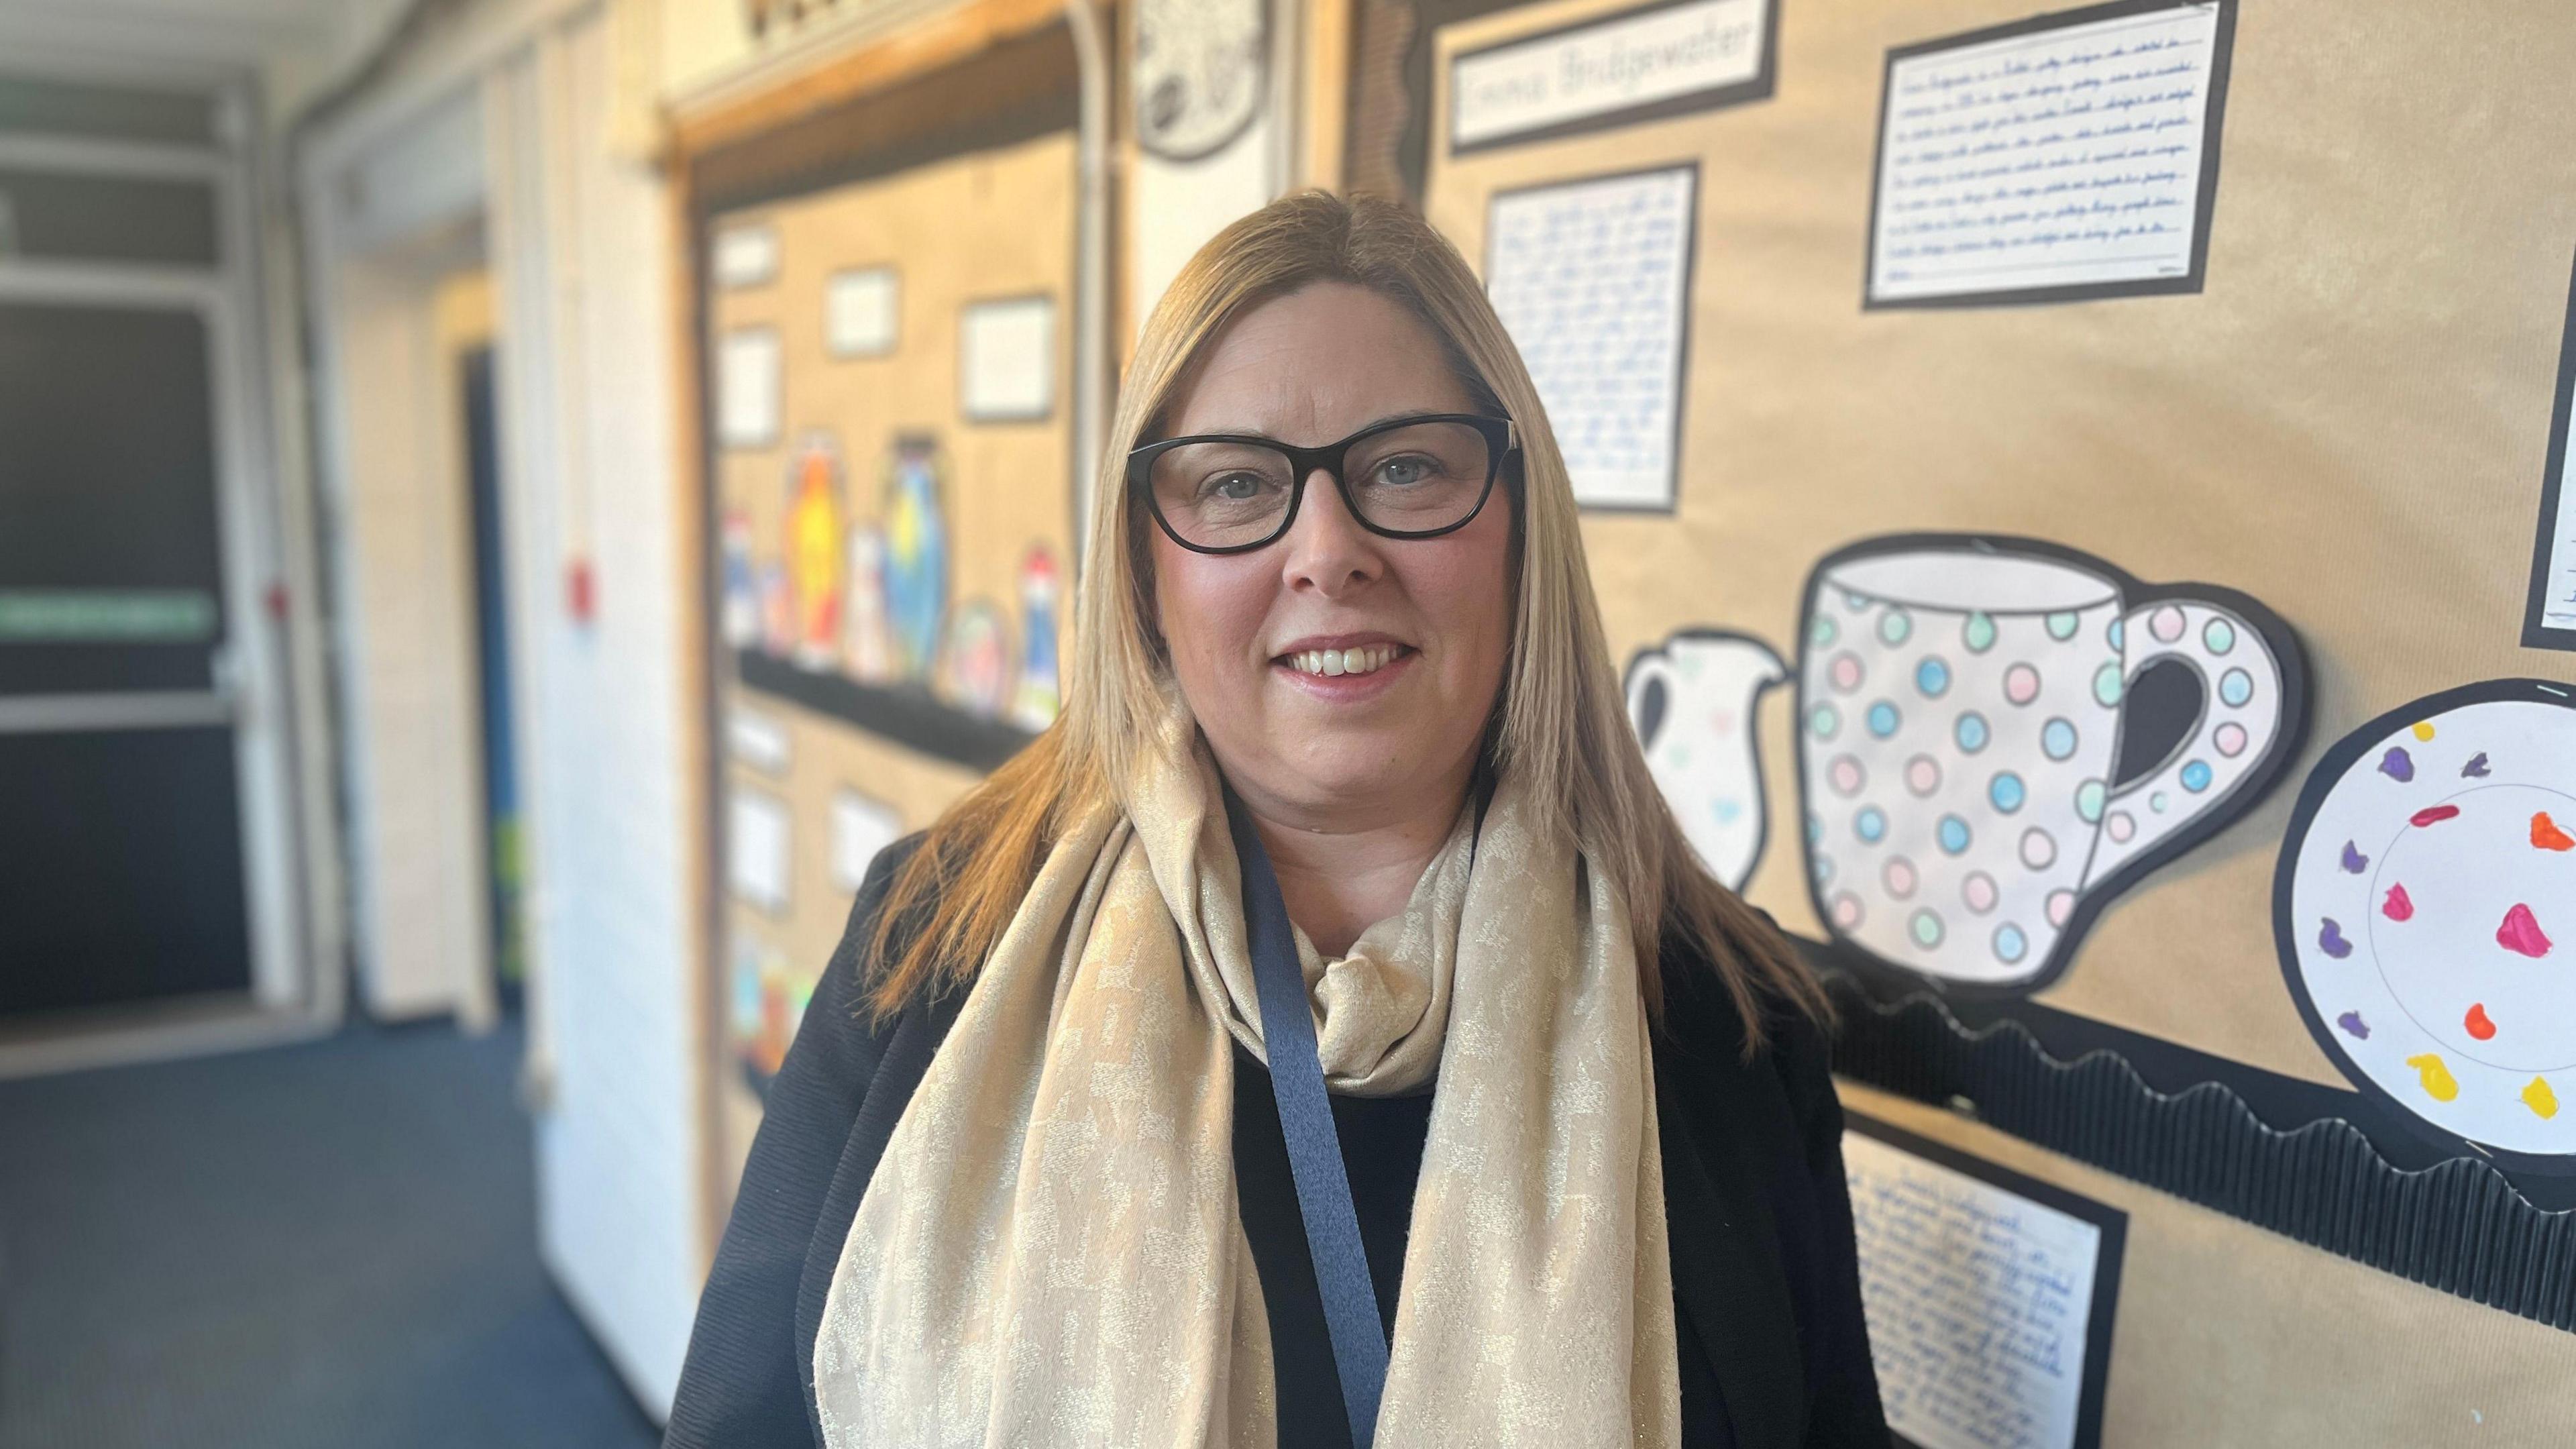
[(2425, 910)]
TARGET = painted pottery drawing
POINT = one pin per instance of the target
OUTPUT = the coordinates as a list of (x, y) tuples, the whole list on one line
[(2425, 912), (1997, 735), (1691, 702)]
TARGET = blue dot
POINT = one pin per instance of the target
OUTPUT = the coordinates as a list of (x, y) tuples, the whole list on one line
[(1822, 632), (1895, 625), (2236, 686), (1954, 834), (2006, 791), (2010, 944), (1822, 867), (2062, 625), (2090, 797), (2057, 738), (2195, 776), (2106, 685), (1870, 824), (1815, 827), (1824, 721), (2220, 636), (1883, 719), (2115, 634), (1932, 677), (1972, 733)]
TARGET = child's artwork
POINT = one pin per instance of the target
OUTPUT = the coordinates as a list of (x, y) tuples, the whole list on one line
[(1691, 702), (868, 649), (916, 566), (815, 510), (1998, 735), (1034, 702), (2425, 910), (976, 674), (741, 583)]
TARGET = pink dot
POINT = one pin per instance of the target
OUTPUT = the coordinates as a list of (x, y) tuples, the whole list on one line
[(2061, 904), (2166, 623), (2121, 826), (1847, 774), (1847, 672), (2038, 849), (1979, 891), (1899, 876), (2021, 684), (1846, 910), (1922, 774), (2230, 739)]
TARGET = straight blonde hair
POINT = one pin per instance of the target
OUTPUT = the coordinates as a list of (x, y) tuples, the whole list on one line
[(1560, 723)]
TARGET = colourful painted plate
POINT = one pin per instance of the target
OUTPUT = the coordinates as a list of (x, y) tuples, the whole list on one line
[(2425, 908)]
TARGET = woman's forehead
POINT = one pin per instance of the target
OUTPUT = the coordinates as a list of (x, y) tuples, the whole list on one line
[(1314, 365)]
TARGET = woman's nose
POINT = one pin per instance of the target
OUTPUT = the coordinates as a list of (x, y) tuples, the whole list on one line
[(1326, 549)]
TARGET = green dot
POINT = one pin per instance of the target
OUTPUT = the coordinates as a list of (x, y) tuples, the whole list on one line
[(2156, 802), (2106, 685), (2061, 625), (1927, 929), (2220, 636), (1822, 631), (2089, 799), (1979, 634), (1895, 625), (1824, 721)]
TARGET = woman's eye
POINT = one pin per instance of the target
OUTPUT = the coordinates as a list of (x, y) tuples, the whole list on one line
[(1403, 472), (1234, 487)]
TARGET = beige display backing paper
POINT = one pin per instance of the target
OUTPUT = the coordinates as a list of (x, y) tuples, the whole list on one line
[(2347, 423)]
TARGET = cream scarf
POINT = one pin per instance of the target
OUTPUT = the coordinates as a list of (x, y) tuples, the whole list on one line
[(1050, 1253)]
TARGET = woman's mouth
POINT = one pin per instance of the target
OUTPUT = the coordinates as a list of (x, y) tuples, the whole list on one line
[(1347, 675)]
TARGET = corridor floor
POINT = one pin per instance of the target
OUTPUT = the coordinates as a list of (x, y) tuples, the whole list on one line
[(322, 1245)]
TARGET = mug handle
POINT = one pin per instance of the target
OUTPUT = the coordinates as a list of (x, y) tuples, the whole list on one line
[(2241, 693), (1644, 670)]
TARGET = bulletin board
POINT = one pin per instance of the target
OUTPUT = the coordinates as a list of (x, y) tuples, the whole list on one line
[(2254, 498), (885, 291)]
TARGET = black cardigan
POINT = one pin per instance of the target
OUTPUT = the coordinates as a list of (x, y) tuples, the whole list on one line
[(1765, 1285)]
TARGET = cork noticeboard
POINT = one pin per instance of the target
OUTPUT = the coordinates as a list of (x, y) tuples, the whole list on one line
[(2340, 421)]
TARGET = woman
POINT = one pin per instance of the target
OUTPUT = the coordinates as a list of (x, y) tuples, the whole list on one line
[(1026, 1176)]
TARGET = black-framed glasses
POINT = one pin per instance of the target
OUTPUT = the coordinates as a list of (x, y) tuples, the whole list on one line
[(1411, 477)]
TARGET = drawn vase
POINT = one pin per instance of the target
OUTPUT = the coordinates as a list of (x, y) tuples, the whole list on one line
[(1691, 702)]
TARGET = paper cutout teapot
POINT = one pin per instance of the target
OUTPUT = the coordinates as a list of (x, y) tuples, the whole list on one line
[(1995, 737)]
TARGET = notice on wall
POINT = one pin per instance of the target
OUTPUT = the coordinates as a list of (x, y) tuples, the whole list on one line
[(757, 739), (860, 309), (1006, 360), (1592, 280), (756, 849), (1657, 60), (2550, 620), (747, 388), (2067, 157), (745, 256), (862, 825), (1989, 1295)]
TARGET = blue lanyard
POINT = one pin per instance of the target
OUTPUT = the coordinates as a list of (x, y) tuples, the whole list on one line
[(1314, 1149)]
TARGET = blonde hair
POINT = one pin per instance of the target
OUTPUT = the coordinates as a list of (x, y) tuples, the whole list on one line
[(1560, 722)]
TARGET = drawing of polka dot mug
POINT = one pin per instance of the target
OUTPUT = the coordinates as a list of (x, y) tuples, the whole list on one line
[(1997, 735)]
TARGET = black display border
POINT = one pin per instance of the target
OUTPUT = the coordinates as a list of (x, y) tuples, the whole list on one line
[(2109, 1256), (1764, 82), (2223, 48)]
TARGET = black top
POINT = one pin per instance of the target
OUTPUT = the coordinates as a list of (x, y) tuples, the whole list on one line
[(1765, 1285)]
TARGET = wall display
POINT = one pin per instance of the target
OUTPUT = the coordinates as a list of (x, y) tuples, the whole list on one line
[(2549, 619), (1591, 278), (1006, 360), (862, 825), (916, 556), (1663, 59), (1997, 735), (862, 312), (745, 256), (1039, 693), (1197, 70), (747, 388), (757, 849), (975, 673), (1990, 1296), (2069, 156), (1691, 700), (2425, 909), (815, 549)]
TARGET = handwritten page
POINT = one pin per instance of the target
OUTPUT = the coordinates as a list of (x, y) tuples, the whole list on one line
[(1591, 279), (2555, 623), (756, 849), (1006, 359), (747, 388), (1977, 1300), (2069, 157)]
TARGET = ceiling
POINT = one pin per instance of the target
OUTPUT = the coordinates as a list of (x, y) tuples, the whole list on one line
[(105, 36)]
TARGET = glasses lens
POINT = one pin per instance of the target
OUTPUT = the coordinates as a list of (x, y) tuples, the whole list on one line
[(1419, 478)]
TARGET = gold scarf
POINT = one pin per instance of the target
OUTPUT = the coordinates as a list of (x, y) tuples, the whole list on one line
[(1050, 1252)]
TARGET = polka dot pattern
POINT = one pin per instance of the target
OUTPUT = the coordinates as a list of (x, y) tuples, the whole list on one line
[(2006, 791), (1926, 926), (2061, 625), (1895, 626), (2166, 624), (1823, 721), (1979, 892), (2218, 636), (2120, 826), (1971, 732), (1978, 633), (1847, 775), (2021, 684), (1954, 834), (2058, 738), (2010, 944), (2106, 686), (1898, 877), (1823, 632), (1870, 824), (2196, 776), (2038, 848), (1846, 671), (2061, 907), (2235, 687), (2229, 739), (1923, 774), (1932, 677), (1884, 718), (2090, 797)]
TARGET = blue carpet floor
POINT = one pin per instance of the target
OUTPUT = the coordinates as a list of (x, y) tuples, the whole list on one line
[(325, 1245)]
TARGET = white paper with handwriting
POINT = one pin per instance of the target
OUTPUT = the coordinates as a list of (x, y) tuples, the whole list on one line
[(2063, 157), (1977, 1301)]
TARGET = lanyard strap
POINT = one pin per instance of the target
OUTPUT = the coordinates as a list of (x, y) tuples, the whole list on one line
[(1314, 1149)]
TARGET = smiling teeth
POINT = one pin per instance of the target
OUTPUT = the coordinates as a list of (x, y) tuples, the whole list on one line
[(1344, 661)]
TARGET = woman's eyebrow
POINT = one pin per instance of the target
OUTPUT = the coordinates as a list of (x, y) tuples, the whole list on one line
[(1265, 435)]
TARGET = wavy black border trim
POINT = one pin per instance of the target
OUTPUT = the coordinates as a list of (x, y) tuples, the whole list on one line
[(2459, 1225)]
